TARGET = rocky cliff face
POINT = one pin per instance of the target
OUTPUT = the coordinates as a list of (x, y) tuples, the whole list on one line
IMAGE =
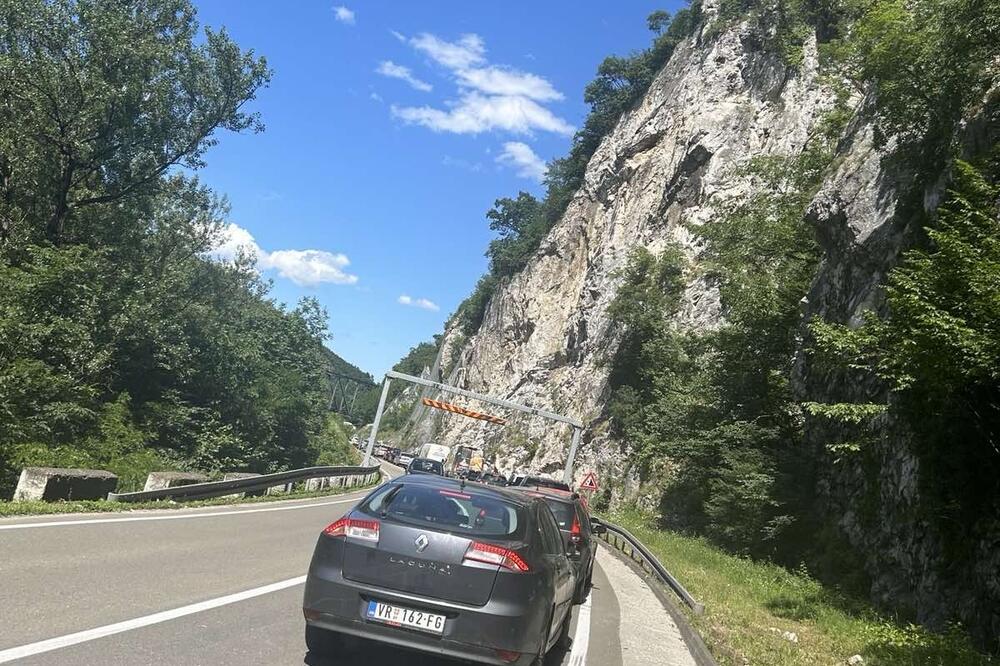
[(546, 335)]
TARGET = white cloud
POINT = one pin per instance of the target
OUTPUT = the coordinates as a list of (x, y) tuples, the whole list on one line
[(398, 35), (306, 268), (469, 50), (475, 113), (500, 81), (524, 159), (421, 303), (232, 241), (309, 268), (344, 15), (394, 71), (374, 96), (490, 97)]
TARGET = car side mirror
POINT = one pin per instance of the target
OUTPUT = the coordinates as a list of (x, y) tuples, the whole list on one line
[(597, 527)]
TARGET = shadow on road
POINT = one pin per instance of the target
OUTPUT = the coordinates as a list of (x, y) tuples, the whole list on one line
[(368, 653)]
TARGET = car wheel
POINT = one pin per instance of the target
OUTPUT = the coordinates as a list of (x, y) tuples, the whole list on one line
[(321, 642)]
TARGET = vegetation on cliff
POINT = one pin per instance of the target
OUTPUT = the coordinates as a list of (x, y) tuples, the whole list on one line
[(712, 415), (936, 356)]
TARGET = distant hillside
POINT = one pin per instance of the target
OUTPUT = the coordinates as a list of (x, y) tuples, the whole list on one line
[(359, 408), (342, 367)]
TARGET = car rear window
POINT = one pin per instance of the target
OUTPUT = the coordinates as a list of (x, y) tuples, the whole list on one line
[(458, 511), (563, 512), (424, 465)]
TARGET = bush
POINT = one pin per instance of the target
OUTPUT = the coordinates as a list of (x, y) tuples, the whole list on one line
[(938, 353), (333, 444)]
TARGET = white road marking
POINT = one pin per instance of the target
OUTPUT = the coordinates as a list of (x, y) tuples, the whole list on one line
[(135, 519), (581, 639), (128, 625)]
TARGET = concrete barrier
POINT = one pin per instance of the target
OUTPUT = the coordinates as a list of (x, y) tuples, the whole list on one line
[(162, 480), (53, 483)]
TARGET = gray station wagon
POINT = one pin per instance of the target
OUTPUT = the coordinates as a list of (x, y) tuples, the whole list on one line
[(437, 565)]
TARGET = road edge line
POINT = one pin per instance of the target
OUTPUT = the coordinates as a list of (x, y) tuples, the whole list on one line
[(581, 639), (171, 516)]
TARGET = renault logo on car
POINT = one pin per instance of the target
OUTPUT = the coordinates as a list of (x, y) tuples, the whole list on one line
[(422, 542)]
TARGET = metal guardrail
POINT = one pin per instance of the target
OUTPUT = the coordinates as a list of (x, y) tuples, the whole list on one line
[(622, 538), (219, 488)]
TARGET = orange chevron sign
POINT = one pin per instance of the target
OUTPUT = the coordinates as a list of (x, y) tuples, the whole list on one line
[(448, 407)]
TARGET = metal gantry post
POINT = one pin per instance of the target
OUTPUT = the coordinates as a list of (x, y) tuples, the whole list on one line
[(568, 474), (378, 418)]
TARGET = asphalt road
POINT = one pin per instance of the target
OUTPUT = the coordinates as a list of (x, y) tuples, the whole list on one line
[(220, 586)]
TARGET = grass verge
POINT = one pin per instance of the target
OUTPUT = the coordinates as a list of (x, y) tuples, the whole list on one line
[(37, 508), (752, 608)]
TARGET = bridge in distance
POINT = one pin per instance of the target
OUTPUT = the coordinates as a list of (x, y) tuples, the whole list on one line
[(223, 586)]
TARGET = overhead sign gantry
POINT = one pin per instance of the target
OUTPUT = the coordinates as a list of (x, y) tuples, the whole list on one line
[(392, 374)]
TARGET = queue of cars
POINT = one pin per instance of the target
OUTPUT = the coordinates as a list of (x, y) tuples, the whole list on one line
[(453, 567)]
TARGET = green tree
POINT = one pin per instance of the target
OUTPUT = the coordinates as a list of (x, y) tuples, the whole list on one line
[(658, 20), (121, 345), (711, 414), (927, 62), (99, 99), (938, 352)]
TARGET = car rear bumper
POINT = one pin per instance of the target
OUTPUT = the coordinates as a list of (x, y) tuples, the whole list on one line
[(474, 633)]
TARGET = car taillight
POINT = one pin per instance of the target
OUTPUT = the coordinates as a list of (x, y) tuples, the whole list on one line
[(508, 655), (366, 530), (489, 553), (575, 535)]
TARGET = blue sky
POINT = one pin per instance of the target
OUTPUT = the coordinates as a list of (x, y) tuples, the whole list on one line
[(391, 129)]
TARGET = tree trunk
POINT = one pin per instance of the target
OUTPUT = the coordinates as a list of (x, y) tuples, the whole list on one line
[(7, 197), (55, 227)]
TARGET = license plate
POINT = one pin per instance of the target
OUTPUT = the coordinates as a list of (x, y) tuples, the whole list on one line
[(398, 616)]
